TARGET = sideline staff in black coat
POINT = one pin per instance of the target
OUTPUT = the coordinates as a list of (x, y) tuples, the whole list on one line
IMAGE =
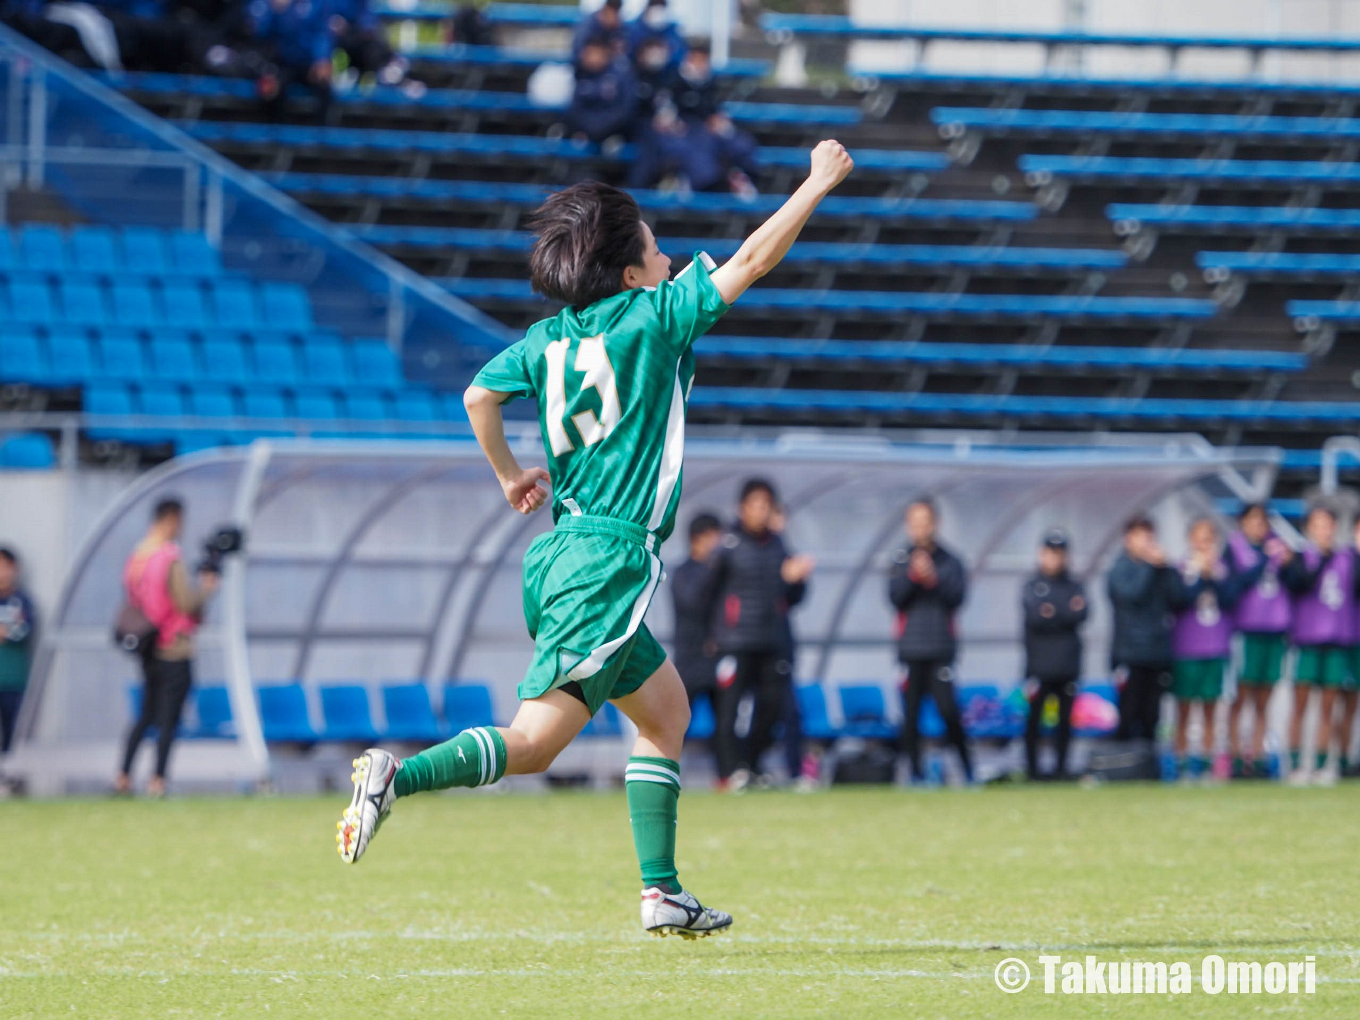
[(1144, 592), (926, 585), (753, 584), (1054, 605)]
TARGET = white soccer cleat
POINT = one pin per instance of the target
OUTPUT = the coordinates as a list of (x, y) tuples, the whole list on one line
[(680, 914), (374, 792)]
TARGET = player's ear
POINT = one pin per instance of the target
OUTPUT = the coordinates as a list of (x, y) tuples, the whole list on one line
[(632, 277)]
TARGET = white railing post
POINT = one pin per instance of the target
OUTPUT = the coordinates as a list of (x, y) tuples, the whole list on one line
[(37, 126)]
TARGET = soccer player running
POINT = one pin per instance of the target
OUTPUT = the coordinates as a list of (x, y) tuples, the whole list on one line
[(611, 373)]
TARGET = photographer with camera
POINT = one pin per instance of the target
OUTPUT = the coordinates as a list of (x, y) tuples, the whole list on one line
[(158, 587)]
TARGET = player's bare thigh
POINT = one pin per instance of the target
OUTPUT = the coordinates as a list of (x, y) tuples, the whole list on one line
[(541, 730), (660, 711)]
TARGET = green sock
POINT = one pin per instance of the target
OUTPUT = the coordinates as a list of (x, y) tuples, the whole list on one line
[(1321, 760), (1294, 759), (475, 757), (653, 789)]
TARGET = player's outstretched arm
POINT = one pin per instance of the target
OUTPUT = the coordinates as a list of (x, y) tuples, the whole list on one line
[(765, 248), (520, 485)]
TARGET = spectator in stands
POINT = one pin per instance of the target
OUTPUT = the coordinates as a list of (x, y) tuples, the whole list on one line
[(1323, 579), (1143, 592), (655, 26), (801, 772), (1202, 639), (926, 585), (294, 41), (695, 94), (605, 25), (18, 622), (1262, 616), (157, 582), (471, 27), (605, 97), (359, 35), (1054, 607), (695, 651), (753, 583)]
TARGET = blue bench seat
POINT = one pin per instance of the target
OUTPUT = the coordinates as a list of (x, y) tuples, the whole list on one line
[(1128, 217), (953, 121), (1239, 172)]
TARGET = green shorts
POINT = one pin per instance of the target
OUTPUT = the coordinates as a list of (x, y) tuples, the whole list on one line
[(1198, 679), (1262, 659), (587, 586), (1325, 666)]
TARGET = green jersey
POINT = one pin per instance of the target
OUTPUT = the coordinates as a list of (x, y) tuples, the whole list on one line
[(612, 381)]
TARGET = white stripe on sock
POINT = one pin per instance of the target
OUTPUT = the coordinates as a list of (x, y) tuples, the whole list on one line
[(642, 777), (481, 747), (491, 761), (660, 770)]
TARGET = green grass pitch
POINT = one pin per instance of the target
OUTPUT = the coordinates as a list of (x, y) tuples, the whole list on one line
[(856, 903)]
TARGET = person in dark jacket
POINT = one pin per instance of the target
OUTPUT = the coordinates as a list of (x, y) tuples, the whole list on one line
[(605, 98), (652, 26), (753, 584), (926, 585), (1143, 591), (695, 94), (18, 623), (695, 653), (294, 41), (605, 24), (1054, 606)]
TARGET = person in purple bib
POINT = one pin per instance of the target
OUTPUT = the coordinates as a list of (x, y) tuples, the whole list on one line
[(1262, 616), (1323, 579), (1202, 639)]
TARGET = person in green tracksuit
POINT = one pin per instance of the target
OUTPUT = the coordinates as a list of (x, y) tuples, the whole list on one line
[(611, 373), (17, 624)]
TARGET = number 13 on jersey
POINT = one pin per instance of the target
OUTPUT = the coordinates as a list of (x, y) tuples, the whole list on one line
[(593, 362)]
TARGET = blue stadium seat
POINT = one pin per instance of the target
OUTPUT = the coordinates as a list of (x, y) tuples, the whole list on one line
[(1252, 173), (1130, 217), (416, 406), (212, 401), (376, 364), (42, 248), (133, 304), (28, 451), (224, 361), (467, 705), (8, 257), (161, 400), (184, 306), (70, 358), (30, 300), (410, 715), (286, 306), (234, 304), (192, 255), (605, 723), (214, 712), (326, 363), (112, 400), (702, 722), (197, 440), (93, 250), (82, 303), (283, 714), (22, 358), (346, 716), (122, 360), (262, 402), (174, 360), (316, 405), (366, 405), (144, 251), (865, 712), (816, 723), (276, 364)]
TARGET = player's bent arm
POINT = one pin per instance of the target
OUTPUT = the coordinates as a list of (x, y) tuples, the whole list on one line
[(770, 242), (521, 486)]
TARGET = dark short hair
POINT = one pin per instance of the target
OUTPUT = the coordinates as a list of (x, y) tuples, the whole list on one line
[(588, 234), (702, 524), (1321, 508), (1251, 508), (170, 507), (1139, 522), (753, 485), (9, 556), (613, 5), (699, 44)]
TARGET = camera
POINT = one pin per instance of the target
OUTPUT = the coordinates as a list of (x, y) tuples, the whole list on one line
[(224, 542)]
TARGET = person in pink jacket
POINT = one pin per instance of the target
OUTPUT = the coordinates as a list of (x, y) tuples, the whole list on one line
[(157, 583)]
